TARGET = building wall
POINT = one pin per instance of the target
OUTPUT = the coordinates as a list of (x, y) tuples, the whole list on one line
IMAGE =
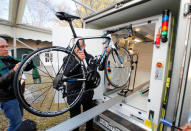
[(22, 49), (33, 44)]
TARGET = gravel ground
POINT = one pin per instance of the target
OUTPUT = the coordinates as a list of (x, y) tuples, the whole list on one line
[(42, 123)]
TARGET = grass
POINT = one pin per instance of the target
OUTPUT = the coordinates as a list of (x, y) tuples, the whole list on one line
[(42, 122)]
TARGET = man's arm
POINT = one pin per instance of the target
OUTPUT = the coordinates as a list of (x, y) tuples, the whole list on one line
[(5, 79), (8, 77)]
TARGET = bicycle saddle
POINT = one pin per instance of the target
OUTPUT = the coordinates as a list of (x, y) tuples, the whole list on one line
[(65, 16)]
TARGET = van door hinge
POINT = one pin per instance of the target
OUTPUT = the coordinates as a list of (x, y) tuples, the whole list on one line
[(187, 9)]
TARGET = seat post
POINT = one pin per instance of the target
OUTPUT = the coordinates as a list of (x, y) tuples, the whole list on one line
[(72, 28)]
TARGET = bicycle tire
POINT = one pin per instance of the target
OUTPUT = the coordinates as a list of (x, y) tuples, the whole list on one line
[(40, 98), (116, 74)]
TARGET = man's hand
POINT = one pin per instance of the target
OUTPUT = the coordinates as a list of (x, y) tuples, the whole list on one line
[(186, 127), (108, 48), (80, 53), (16, 66)]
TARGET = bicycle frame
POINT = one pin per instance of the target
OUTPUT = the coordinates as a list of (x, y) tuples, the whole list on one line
[(85, 38), (104, 36), (110, 42)]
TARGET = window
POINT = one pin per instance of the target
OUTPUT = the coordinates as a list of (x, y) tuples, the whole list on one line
[(41, 13), (4, 9), (48, 57)]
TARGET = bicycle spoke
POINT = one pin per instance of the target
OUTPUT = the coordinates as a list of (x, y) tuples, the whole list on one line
[(43, 100), (36, 75), (66, 104), (52, 100), (65, 100), (45, 73), (73, 93), (41, 95), (58, 99), (45, 68), (73, 76), (37, 83), (58, 60), (36, 91), (53, 67), (60, 69), (66, 63), (113, 57)]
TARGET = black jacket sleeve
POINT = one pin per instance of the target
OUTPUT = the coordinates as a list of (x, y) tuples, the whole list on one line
[(30, 66), (5, 79)]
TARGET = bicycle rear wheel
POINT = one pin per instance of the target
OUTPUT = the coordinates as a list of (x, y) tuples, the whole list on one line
[(118, 73), (45, 93)]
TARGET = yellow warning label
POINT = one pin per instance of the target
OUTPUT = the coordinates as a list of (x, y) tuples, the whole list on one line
[(168, 79), (148, 124), (167, 84)]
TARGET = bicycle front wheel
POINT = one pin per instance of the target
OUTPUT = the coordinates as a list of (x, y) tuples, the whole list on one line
[(45, 92), (118, 67)]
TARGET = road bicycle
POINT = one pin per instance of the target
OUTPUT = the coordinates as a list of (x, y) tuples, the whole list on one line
[(48, 96)]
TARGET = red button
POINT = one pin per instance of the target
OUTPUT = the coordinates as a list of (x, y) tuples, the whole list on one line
[(159, 64)]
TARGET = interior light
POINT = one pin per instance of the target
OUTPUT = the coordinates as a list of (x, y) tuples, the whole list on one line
[(137, 40), (137, 29)]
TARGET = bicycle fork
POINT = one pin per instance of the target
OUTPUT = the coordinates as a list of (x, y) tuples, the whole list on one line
[(118, 57)]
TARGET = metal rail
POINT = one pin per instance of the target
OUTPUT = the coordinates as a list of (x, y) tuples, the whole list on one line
[(86, 116)]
